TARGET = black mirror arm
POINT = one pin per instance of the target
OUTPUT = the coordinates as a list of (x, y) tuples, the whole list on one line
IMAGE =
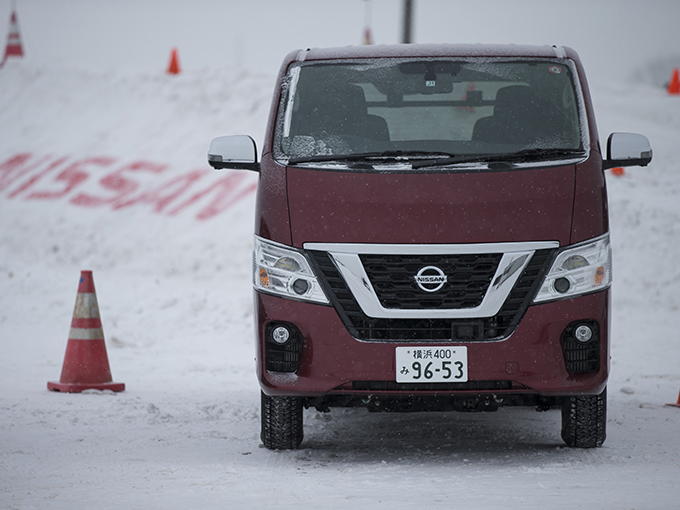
[(611, 163), (217, 163)]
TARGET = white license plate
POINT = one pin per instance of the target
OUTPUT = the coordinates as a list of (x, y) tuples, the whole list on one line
[(428, 364)]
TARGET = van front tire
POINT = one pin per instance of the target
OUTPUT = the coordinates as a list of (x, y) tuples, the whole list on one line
[(281, 422), (584, 420)]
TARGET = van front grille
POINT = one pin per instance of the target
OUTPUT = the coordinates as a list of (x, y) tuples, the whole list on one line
[(468, 278), (369, 329)]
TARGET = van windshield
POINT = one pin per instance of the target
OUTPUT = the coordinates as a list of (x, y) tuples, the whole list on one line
[(423, 109)]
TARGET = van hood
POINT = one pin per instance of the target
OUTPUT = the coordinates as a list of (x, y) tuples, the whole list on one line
[(431, 208)]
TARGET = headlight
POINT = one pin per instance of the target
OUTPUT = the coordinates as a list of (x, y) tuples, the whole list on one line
[(284, 271), (580, 269)]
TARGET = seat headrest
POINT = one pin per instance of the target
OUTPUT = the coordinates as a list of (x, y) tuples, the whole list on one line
[(515, 100)]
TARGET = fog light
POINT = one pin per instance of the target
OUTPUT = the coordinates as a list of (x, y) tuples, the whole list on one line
[(281, 335), (562, 285), (583, 333)]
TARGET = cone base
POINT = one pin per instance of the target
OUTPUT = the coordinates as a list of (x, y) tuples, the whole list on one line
[(674, 405), (80, 387)]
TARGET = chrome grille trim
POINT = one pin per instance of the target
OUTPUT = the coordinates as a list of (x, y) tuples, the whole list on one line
[(516, 257)]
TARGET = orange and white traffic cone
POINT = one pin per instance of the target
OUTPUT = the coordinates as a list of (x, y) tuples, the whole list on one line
[(173, 67), (674, 84), (14, 47), (677, 404), (86, 365)]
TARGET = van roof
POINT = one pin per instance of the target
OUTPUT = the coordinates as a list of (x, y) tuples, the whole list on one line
[(434, 50)]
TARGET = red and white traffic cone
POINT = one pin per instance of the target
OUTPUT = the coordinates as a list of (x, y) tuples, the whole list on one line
[(86, 365), (677, 404), (14, 47)]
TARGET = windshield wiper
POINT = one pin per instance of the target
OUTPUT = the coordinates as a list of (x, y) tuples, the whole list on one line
[(393, 155), (523, 155), (440, 158), (528, 154)]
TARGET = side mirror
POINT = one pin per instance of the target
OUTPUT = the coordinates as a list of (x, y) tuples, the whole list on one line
[(239, 152), (627, 149)]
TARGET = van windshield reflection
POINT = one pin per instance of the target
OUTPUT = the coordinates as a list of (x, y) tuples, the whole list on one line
[(423, 111)]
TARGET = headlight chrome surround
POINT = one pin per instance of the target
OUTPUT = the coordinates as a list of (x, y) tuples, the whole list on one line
[(284, 271), (580, 269)]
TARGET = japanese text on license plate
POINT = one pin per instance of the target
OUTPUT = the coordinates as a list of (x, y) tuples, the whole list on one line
[(426, 364)]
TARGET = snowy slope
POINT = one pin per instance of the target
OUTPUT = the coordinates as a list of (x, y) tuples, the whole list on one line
[(106, 171)]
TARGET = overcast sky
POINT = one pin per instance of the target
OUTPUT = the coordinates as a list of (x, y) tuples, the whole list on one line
[(613, 37)]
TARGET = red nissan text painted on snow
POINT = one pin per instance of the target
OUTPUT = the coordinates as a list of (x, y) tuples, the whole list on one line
[(432, 234)]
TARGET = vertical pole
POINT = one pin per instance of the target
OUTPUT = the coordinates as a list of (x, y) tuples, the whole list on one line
[(408, 20), (368, 38)]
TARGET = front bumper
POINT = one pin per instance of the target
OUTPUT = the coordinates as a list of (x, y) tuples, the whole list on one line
[(531, 361)]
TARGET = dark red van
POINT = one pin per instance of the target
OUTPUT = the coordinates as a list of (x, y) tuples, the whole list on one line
[(432, 235)]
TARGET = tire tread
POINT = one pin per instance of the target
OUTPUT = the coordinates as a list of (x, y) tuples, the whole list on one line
[(281, 422), (584, 420)]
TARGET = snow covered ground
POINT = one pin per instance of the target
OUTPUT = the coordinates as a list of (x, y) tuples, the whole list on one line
[(105, 170)]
